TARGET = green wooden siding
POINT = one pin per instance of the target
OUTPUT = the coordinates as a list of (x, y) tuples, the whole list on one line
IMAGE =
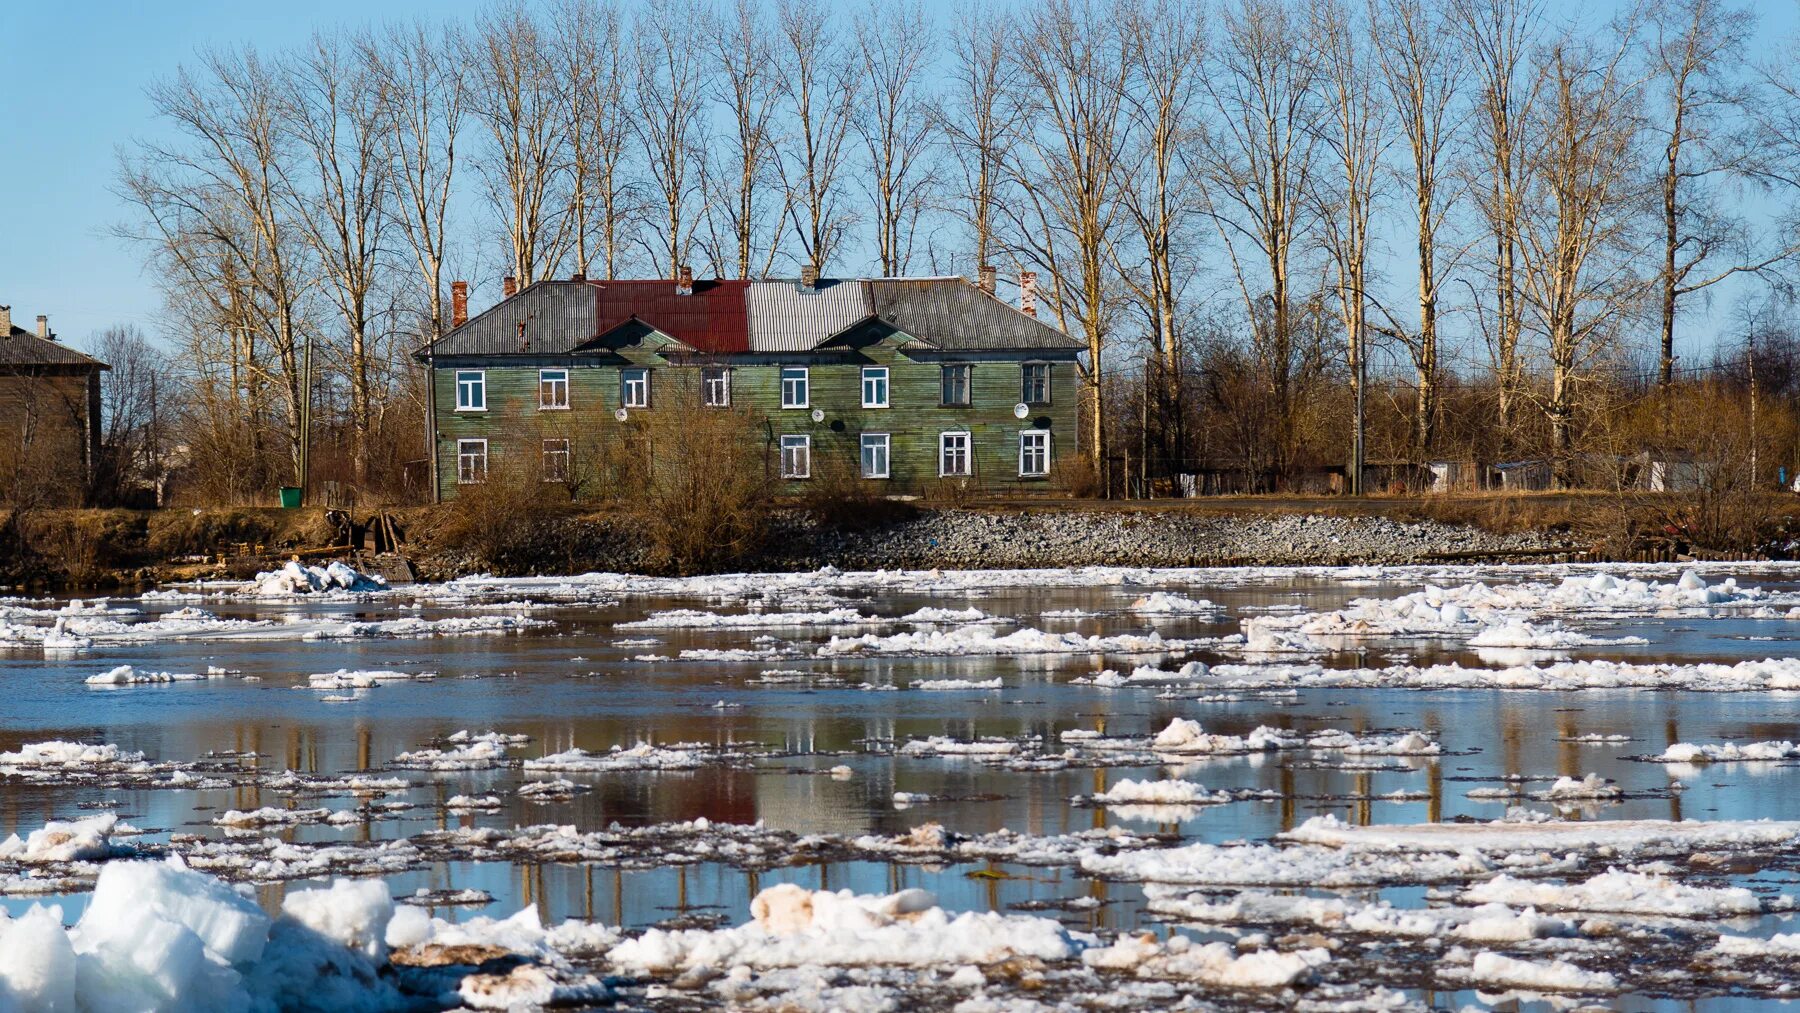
[(515, 427)]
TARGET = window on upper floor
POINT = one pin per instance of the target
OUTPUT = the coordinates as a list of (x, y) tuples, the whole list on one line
[(553, 388), (956, 385), (471, 390), (875, 387), (795, 387), (1034, 383), (715, 387), (634, 387)]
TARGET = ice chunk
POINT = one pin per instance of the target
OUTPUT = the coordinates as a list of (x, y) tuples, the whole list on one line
[(37, 963), (354, 913)]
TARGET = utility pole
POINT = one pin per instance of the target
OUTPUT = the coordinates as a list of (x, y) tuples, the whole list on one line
[(1752, 411), (306, 421), (1358, 366)]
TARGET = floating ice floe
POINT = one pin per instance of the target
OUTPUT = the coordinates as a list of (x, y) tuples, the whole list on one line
[(643, 756), (1164, 603), (691, 619), (462, 750), (1562, 676), (298, 578), (1617, 891), (345, 678), (1490, 968), (1727, 752), (984, 640), (951, 684), (126, 675), (1213, 963)]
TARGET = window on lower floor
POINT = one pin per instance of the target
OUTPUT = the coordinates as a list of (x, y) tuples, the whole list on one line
[(715, 387), (953, 454), (634, 388), (874, 455), (1034, 453), (471, 462), (556, 460), (796, 457)]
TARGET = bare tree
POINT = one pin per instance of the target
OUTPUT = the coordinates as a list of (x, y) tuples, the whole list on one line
[(1495, 37), (1074, 60), (212, 209), (517, 91), (1260, 161), (1422, 70), (1697, 56), (1353, 127), (1159, 188), (340, 188), (130, 421), (672, 82), (895, 43), (819, 82), (594, 64), (742, 171), (976, 120), (1583, 208), (428, 97)]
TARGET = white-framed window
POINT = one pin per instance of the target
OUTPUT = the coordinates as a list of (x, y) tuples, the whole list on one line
[(553, 388), (796, 387), (471, 390), (953, 454), (715, 387), (1034, 453), (471, 462), (556, 460), (874, 455), (956, 385), (1034, 383), (796, 457), (875, 387), (634, 387)]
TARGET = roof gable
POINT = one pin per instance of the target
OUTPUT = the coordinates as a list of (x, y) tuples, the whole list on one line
[(951, 314)]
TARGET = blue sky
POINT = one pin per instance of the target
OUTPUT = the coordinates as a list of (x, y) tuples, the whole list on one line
[(74, 93)]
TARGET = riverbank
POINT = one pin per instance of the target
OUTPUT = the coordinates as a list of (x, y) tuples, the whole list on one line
[(120, 548)]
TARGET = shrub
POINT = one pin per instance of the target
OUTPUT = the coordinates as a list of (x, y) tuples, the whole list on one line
[(705, 492)]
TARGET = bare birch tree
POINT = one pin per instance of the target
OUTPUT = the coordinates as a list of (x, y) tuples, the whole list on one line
[(1353, 128), (428, 95), (1495, 37), (516, 90), (1413, 44), (976, 120), (1580, 233), (1260, 161), (672, 83), (1074, 60), (741, 172), (819, 82), (594, 65), (340, 188), (895, 43)]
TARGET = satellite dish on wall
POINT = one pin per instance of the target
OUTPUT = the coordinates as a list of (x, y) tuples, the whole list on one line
[(1021, 410), (818, 414), (621, 415)]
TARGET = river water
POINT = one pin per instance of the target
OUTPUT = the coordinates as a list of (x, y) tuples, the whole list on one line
[(578, 681)]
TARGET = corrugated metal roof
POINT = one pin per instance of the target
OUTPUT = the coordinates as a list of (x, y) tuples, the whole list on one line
[(555, 316), (23, 348), (956, 316), (787, 317), (710, 319)]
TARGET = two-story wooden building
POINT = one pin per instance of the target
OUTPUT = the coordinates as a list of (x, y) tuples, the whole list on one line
[(907, 381), (49, 416)]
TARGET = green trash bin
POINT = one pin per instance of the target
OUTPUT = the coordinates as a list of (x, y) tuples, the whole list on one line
[(290, 497)]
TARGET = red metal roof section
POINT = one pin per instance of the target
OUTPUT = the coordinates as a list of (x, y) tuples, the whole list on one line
[(712, 319)]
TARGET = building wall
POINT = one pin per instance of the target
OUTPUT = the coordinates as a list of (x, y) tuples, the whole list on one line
[(515, 426), (44, 437)]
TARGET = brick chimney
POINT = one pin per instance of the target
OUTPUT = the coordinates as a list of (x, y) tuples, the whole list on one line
[(578, 276), (809, 276), (44, 327), (684, 281), (1028, 293), (5, 321), (509, 287), (985, 278), (459, 303)]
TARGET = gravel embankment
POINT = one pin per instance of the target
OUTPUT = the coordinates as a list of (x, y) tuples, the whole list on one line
[(973, 539)]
